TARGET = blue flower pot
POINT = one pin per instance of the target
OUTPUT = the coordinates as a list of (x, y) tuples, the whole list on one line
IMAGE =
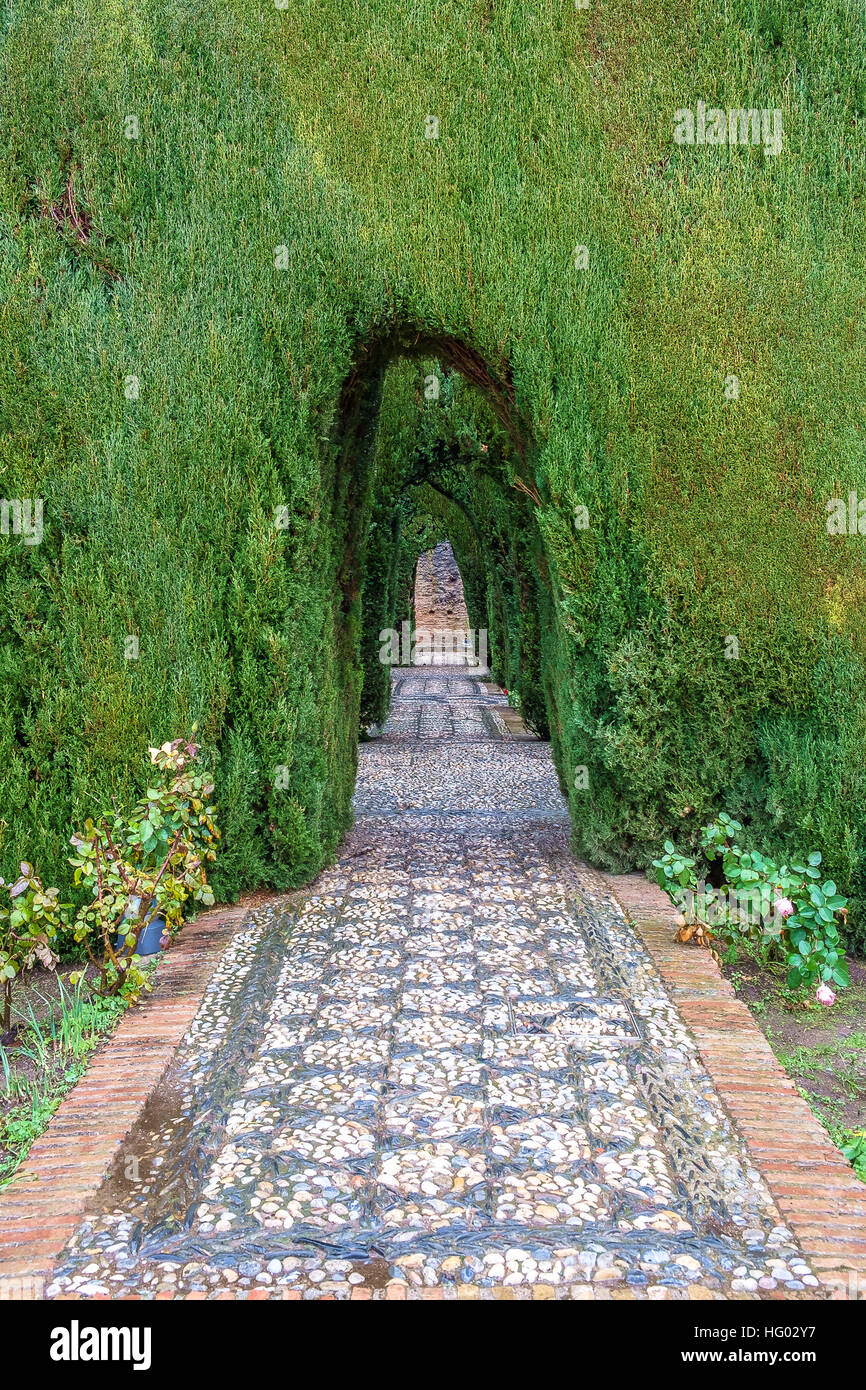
[(148, 942)]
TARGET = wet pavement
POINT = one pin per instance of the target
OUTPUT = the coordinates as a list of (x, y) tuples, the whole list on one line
[(450, 1061)]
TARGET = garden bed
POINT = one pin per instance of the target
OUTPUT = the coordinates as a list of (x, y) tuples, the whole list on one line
[(56, 1026), (822, 1049)]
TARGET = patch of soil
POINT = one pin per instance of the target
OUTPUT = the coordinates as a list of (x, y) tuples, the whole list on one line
[(36, 994), (40, 1058), (822, 1049)]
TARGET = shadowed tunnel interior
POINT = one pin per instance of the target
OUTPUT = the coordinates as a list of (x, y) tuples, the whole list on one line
[(433, 449)]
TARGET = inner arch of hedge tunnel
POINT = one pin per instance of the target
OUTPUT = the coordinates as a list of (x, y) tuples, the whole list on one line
[(506, 576)]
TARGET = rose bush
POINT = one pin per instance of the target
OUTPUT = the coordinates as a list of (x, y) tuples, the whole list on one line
[(133, 868), (145, 865), (758, 897)]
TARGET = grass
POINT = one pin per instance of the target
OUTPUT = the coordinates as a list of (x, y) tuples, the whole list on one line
[(57, 1028)]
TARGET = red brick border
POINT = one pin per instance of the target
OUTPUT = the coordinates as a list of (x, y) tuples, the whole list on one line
[(819, 1195), (43, 1204)]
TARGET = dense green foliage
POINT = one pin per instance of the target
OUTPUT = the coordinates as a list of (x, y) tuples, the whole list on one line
[(281, 251)]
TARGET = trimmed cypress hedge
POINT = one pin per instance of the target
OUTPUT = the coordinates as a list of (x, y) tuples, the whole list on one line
[(233, 247)]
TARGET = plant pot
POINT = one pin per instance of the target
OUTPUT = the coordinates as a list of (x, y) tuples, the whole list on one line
[(148, 941)]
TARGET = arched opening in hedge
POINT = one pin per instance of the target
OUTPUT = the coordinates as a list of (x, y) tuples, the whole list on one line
[(431, 446)]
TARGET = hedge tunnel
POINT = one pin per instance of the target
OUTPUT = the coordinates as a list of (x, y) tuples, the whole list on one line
[(235, 246)]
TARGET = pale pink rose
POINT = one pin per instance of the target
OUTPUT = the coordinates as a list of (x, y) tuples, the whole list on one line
[(825, 995), (784, 907)]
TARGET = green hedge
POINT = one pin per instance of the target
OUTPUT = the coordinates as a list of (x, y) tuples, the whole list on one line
[(225, 517)]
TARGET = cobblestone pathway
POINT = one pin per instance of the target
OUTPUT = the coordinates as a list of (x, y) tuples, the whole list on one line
[(451, 1064)]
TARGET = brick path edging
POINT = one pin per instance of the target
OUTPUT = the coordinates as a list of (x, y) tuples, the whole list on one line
[(819, 1195), (44, 1202)]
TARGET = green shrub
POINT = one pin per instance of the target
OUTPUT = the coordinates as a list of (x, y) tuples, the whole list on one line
[(143, 866), (757, 897), (213, 375)]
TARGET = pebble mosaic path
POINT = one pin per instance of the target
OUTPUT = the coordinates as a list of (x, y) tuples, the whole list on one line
[(450, 1070)]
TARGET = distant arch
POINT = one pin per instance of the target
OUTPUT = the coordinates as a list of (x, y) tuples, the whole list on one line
[(354, 438)]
